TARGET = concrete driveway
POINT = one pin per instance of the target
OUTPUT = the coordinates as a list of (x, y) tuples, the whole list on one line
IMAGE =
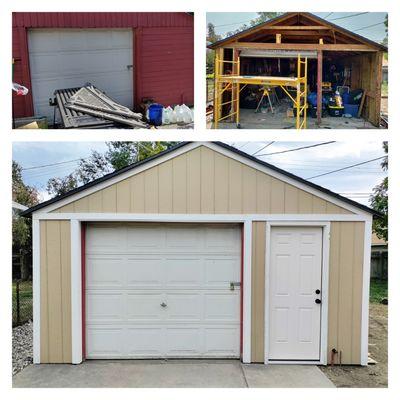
[(171, 374)]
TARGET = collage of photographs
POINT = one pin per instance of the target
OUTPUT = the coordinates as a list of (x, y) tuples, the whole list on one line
[(199, 199)]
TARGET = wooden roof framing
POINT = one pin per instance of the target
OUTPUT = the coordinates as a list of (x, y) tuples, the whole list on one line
[(300, 30)]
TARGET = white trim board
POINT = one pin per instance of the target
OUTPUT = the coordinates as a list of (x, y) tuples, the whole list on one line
[(199, 217), (36, 289), (216, 148), (324, 290)]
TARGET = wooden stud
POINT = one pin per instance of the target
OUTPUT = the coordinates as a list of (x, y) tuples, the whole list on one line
[(319, 87), (278, 38)]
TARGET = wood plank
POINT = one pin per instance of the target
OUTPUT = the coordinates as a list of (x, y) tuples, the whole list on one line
[(165, 187), (194, 181), (123, 196), (305, 202), (297, 27), (179, 184), (96, 201), (151, 190), (291, 199), (300, 46), (110, 199), (137, 193), (277, 196), (207, 180), (319, 87), (235, 187), (44, 298), (249, 190), (263, 193), (221, 184)]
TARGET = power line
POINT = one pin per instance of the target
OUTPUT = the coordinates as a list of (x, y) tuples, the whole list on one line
[(328, 15), (349, 16), (369, 26), (50, 165), (263, 148), (297, 148), (349, 166)]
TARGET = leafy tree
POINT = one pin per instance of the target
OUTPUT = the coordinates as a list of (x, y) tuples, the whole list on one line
[(262, 17), (211, 34), (379, 201), (22, 227), (117, 156), (386, 22)]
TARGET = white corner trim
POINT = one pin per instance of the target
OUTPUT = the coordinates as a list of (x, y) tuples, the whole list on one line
[(76, 293), (36, 289), (365, 292), (325, 225), (247, 247)]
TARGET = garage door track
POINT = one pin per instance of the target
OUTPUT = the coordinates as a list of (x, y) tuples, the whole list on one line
[(170, 374)]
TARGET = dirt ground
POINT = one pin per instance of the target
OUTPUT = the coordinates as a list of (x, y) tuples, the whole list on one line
[(372, 375)]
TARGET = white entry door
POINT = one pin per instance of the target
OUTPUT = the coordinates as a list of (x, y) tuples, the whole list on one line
[(294, 293), (156, 291), (68, 58)]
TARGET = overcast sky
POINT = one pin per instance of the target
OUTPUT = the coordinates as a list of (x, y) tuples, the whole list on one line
[(230, 21), (355, 183)]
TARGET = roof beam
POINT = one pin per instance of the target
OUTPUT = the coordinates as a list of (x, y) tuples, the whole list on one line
[(299, 46), (298, 27)]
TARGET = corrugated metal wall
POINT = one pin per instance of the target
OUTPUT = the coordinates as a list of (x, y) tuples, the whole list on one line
[(163, 53)]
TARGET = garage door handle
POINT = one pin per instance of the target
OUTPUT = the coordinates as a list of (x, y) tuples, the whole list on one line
[(130, 66), (318, 301), (163, 304)]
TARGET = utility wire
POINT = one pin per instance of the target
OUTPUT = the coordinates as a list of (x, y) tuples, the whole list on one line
[(349, 16), (349, 166), (297, 148), (50, 165), (263, 148), (369, 26)]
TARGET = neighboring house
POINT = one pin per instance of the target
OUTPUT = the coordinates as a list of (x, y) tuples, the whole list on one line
[(130, 56), (334, 55), (379, 258), (202, 251)]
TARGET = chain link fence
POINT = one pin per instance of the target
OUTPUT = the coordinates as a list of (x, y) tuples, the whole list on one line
[(21, 302)]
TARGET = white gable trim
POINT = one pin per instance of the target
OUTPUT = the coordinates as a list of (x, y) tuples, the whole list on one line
[(187, 148)]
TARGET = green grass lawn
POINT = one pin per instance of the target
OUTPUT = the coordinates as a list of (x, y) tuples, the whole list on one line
[(378, 290)]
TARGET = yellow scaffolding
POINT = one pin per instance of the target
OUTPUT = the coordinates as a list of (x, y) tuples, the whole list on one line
[(231, 83)]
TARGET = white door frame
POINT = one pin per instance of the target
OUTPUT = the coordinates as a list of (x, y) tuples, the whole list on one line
[(325, 225)]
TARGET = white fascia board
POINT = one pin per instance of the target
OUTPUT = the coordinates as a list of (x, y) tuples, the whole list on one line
[(121, 217), (284, 178), (120, 177), (36, 290), (247, 287), (365, 291)]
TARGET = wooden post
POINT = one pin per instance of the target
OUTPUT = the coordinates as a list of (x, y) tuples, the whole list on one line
[(278, 38), (319, 87), (234, 94)]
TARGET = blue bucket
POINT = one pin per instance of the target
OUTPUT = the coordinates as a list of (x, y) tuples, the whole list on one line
[(155, 114)]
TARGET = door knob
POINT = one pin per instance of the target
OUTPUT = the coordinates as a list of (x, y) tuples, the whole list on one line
[(318, 301), (317, 291), (163, 304)]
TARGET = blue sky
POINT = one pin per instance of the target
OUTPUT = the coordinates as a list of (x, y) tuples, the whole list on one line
[(356, 183), (229, 21)]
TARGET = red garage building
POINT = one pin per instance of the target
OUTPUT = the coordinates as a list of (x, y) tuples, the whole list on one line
[(130, 56)]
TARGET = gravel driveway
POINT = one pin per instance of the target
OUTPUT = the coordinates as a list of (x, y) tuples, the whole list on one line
[(22, 347)]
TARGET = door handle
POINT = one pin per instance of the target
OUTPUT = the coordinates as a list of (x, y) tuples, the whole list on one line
[(163, 305), (318, 301), (130, 66), (233, 284)]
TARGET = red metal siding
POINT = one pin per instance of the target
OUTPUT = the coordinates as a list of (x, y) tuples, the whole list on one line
[(163, 51)]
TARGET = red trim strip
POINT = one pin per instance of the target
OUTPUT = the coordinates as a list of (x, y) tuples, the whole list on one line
[(83, 277)]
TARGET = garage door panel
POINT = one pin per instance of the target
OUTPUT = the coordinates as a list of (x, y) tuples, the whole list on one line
[(104, 342), (183, 271), (221, 271), (222, 307), (222, 341), (144, 272), (184, 306), (201, 317), (144, 306), (64, 58), (144, 342), (102, 307), (223, 239), (104, 272)]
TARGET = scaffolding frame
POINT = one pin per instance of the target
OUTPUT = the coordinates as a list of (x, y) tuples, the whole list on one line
[(232, 83)]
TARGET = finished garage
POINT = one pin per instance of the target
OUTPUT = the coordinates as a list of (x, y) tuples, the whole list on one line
[(201, 252)]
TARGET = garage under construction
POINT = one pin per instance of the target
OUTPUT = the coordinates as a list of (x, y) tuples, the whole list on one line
[(297, 71)]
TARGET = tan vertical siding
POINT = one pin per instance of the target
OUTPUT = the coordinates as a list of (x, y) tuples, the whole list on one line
[(202, 181), (258, 292), (345, 290), (55, 293)]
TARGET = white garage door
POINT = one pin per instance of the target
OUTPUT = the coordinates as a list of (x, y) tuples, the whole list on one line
[(67, 58), (155, 291)]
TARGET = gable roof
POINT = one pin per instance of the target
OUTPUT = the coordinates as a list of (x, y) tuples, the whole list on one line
[(288, 15), (222, 145)]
